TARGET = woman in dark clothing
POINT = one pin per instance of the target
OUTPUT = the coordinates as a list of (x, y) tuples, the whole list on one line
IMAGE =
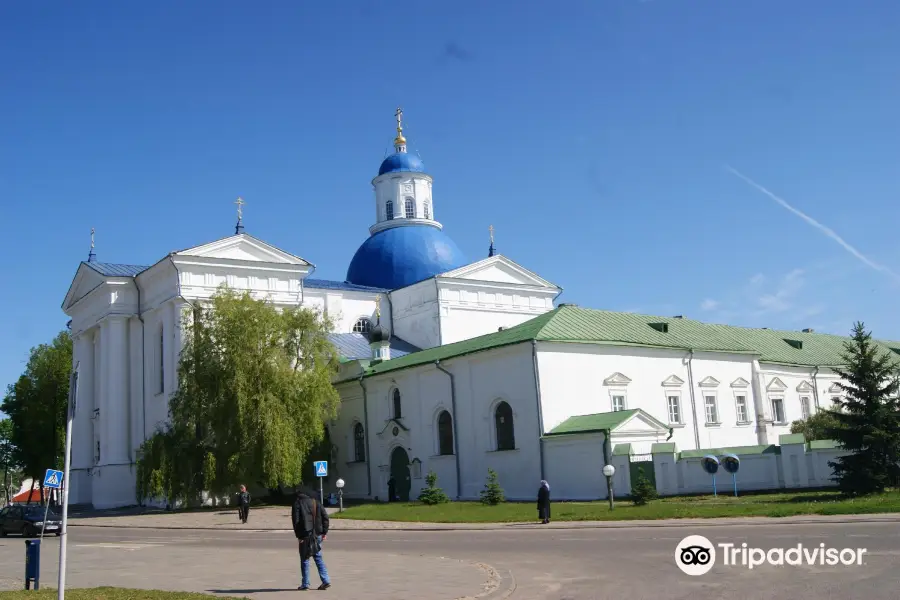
[(544, 502)]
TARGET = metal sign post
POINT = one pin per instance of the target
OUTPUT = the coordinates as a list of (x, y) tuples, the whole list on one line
[(73, 395), (53, 480), (731, 463), (321, 472)]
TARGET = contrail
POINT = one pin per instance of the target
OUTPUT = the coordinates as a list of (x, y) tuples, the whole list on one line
[(826, 230)]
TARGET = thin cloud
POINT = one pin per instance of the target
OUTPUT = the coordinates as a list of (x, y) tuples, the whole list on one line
[(709, 304), (824, 229)]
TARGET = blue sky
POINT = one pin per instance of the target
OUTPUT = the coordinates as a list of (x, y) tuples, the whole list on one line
[(595, 137)]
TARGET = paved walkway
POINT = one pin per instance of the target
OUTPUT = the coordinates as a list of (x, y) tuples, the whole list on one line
[(279, 519)]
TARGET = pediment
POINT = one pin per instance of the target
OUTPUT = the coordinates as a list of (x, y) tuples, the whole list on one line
[(243, 247), (641, 422), (740, 382), (709, 382), (673, 381), (616, 379), (776, 385), (498, 269), (86, 279), (835, 388), (805, 386), (390, 424)]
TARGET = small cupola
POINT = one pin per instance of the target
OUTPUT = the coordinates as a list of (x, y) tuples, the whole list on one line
[(379, 337)]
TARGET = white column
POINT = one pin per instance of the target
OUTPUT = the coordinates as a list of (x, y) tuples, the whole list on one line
[(136, 395), (115, 419), (102, 358), (168, 316), (82, 435)]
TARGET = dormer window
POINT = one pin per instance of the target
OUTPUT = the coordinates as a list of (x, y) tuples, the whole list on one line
[(362, 325), (795, 343), (660, 327), (410, 208)]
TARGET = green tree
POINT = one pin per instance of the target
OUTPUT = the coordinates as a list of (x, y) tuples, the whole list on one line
[(254, 394), (7, 455), (642, 491), (492, 494), (36, 404), (868, 424), (815, 426), (432, 494)]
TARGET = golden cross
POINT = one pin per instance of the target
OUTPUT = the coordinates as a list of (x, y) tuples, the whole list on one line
[(92, 238), (491, 229), (399, 115), (240, 204), (378, 306)]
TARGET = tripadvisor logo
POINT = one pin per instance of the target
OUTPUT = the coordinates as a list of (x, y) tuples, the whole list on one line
[(696, 555)]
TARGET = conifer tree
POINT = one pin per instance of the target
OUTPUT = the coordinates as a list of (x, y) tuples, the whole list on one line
[(868, 422)]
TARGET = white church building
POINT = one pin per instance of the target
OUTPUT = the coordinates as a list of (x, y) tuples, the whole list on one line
[(448, 365)]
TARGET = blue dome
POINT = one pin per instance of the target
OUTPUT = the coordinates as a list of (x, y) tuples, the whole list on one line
[(402, 161), (400, 256)]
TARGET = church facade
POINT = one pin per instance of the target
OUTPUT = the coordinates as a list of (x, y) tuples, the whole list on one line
[(448, 365)]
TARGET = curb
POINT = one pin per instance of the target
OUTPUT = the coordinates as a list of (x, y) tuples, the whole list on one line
[(567, 526)]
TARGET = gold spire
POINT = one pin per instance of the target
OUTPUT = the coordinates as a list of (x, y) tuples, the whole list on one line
[(378, 306), (399, 140)]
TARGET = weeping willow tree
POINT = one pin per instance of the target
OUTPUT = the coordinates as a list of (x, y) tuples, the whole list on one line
[(254, 394)]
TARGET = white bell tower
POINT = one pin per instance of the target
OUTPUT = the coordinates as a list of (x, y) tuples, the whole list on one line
[(402, 188)]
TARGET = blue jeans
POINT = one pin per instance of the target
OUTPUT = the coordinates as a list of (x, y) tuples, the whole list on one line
[(320, 565)]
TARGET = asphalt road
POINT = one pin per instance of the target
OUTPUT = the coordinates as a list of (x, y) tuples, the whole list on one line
[(546, 564)]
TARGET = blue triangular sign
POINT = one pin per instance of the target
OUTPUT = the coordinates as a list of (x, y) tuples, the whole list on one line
[(321, 469)]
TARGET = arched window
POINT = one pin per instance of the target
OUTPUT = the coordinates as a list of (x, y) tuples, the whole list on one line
[(396, 402), (445, 433), (427, 208), (362, 325), (162, 361), (503, 423), (389, 210), (359, 443), (410, 207)]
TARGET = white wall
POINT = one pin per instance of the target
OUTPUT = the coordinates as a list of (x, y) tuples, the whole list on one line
[(574, 381), (574, 465), (415, 314), (482, 380)]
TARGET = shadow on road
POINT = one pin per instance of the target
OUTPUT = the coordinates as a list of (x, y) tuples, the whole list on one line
[(252, 591)]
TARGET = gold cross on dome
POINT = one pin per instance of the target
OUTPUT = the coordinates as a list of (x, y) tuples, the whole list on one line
[(378, 306), (399, 115), (240, 204), (491, 229)]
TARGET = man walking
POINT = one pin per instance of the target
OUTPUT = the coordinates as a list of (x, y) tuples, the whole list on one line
[(243, 504), (311, 527)]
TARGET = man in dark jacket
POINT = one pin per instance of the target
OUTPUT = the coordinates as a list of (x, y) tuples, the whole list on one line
[(311, 527), (243, 504)]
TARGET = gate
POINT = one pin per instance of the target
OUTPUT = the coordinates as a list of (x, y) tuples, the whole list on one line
[(642, 463)]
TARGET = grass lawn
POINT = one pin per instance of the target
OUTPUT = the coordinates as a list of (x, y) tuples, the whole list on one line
[(749, 505), (105, 593)]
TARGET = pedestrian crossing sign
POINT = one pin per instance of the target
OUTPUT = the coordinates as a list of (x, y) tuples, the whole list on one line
[(321, 468), (53, 479)]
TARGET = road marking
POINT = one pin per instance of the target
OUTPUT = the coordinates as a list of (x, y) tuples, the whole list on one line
[(119, 546)]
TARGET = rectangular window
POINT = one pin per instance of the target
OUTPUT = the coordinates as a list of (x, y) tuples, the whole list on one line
[(741, 405), (804, 407), (618, 403), (778, 410), (674, 409), (712, 412)]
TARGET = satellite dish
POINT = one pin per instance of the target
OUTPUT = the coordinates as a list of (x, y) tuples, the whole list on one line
[(731, 463), (710, 464)]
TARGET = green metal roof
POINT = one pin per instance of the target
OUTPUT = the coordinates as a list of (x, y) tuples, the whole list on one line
[(573, 324), (595, 422), (823, 445), (791, 438), (663, 448)]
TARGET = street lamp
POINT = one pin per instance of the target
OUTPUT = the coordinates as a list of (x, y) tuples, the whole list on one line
[(340, 486), (608, 472)]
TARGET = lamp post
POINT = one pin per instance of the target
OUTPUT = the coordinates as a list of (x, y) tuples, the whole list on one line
[(608, 472), (340, 486)]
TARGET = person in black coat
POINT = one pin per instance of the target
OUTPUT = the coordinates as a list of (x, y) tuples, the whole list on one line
[(543, 502), (243, 504), (310, 521)]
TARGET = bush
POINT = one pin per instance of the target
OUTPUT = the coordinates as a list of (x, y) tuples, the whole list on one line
[(433, 494), (642, 491), (492, 494)]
